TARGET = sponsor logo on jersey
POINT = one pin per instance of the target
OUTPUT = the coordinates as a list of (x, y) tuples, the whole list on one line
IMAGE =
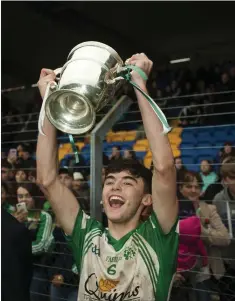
[(106, 285), (106, 289), (95, 249), (114, 259), (129, 252)]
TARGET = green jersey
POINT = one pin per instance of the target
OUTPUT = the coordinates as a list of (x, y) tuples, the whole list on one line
[(138, 267), (9, 208)]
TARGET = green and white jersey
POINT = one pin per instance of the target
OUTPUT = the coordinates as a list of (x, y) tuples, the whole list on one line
[(138, 267)]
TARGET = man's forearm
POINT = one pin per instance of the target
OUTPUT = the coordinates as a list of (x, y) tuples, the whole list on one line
[(159, 143), (47, 154)]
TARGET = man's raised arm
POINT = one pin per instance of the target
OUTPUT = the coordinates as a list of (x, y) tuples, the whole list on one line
[(64, 203), (164, 177)]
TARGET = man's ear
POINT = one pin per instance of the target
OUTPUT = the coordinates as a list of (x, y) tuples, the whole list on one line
[(147, 200), (147, 210)]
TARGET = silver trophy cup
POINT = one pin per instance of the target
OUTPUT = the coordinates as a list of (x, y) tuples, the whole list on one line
[(85, 85)]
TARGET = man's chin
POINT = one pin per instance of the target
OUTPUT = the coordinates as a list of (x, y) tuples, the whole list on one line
[(115, 216)]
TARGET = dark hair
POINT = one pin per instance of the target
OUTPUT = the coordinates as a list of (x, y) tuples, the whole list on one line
[(22, 167), (64, 170), (26, 148), (228, 168), (118, 147), (228, 143), (6, 164), (5, 187), (132, 152), (135, 168), (188, 177), (35, 193)]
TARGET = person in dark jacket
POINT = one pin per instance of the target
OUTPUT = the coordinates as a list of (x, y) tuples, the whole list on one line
[(62, 272), (17, 262)]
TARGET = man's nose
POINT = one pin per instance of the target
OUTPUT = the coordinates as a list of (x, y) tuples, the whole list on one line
[(116, 186)]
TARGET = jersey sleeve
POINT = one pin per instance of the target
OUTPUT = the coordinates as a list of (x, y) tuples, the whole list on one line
[(83, 226), (166, 248)]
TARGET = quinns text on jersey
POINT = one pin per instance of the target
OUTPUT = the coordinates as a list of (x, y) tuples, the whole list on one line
[(105, 290)]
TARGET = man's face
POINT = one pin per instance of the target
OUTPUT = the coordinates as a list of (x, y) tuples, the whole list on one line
[(20, 176), (224, 78), (205, 167), (178, 163), (115, 151), (25, 155), (122, 196), (66, 180), (5, 173), (230, 183), (191, 191), (76, 184)]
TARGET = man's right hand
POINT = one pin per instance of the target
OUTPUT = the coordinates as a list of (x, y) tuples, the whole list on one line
[(46, 76)]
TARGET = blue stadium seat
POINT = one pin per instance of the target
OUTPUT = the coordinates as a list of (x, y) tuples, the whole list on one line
[(231, 131), (188, 161), (140, 155), (205, 129), (231, 138), (187, 137), (185, 144), (220, 136), (204, 137), (205, 145), (188, 152)]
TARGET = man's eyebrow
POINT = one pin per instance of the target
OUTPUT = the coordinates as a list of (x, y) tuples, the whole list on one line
[(130, 178), (124, 178)]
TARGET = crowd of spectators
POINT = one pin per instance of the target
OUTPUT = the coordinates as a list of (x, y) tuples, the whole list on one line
[(206, 199)]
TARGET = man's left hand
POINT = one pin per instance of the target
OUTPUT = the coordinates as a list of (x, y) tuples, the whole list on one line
[(143, 62)]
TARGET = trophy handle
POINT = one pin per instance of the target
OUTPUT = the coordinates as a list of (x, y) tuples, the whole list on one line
[(57, 72)]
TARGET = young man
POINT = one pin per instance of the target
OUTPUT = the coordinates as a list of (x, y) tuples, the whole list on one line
[(131, 261)]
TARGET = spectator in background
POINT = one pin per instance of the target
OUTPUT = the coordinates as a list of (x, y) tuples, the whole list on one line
[(5, 199), (21, 175), (32, 176), (16, 259), (214, 233), (227, 151), (39, 224), (190, 115), (175, 89), (12, 156), (81, 190), (225, 200), (180, 168), (6, 169), (66, 177), (25, 156), (129, 154), (7, 173), (116, 154), (207, 174), (64, 281)]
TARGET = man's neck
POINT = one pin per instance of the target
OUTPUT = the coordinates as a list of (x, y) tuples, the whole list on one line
[(118, 230)]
